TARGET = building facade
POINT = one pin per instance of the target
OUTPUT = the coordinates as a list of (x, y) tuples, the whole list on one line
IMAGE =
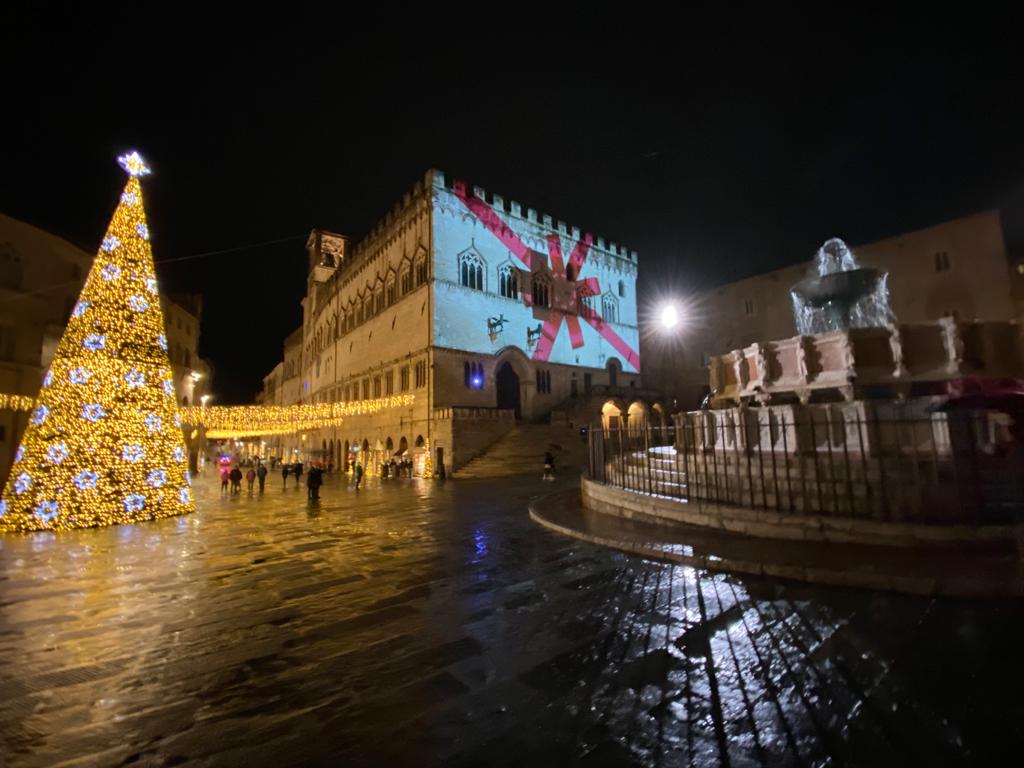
[(955, 269), (484, 311), (41, 276)]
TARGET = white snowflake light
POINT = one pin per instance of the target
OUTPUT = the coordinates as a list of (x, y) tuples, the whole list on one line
[(138, 303), (110, 243), (135, 379), (56, 453), (46, 511), (143, 231), (93, 412), (111, 272), (94, 342), (134, 502), (79, 375), (132, 452), (157, 478), (23, 482), (40, 414), (86, 479)]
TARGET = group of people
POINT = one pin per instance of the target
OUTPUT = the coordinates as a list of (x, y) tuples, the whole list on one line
[(233, 475), (393, 468)]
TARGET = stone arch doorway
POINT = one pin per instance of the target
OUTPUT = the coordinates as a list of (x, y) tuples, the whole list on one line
[(611, 415), (506, 385), (403, 446)]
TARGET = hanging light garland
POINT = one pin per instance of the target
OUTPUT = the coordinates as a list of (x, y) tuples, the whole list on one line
[(230, 421)]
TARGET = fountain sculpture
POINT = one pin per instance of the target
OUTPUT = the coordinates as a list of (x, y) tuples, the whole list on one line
[(842, 295)]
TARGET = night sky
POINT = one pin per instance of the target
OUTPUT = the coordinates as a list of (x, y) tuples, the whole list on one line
[(716, 148)]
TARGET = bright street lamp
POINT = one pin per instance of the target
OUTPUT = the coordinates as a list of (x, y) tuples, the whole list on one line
[(203, 400), (669, 316)]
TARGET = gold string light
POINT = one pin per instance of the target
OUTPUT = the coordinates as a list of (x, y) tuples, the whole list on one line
[(16, 402), (237, 421), (104, 442)]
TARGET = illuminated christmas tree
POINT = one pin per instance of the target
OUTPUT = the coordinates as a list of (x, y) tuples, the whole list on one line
[(104, 444)]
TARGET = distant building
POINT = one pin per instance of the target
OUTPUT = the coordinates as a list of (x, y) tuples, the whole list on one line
[(955, 269), (41, 276), (484, 310)]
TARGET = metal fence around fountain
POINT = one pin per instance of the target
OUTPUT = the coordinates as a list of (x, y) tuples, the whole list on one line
[(961, 468)]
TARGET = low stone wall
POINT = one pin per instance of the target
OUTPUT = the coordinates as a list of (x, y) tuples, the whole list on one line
[(775, 525)]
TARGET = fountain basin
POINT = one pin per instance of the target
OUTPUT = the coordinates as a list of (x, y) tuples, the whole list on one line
[(842, 288)]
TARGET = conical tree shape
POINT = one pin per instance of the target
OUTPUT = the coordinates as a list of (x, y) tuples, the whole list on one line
[(104, 444)]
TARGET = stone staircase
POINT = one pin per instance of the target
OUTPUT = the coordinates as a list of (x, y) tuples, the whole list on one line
[(521, 452)]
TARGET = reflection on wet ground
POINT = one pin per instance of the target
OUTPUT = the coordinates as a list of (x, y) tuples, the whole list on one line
[(417, 623)]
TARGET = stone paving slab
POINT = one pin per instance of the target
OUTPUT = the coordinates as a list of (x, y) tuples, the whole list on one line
[(415, 623)]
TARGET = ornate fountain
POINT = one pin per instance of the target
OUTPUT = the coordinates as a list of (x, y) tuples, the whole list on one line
[(842, 295), (850, 344)]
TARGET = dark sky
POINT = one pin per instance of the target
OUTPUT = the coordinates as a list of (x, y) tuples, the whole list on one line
[(717, 148)]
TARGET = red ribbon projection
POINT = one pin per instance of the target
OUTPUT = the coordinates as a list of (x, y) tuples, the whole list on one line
[(569, 291)]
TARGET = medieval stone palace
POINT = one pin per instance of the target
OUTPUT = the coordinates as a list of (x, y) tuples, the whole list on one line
[(484, 311)]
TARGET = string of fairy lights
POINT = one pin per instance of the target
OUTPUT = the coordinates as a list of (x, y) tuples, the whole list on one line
[(226, 421)]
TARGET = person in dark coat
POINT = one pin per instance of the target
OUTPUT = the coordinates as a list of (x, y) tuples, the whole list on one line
[(286, 470), (236, 479), (298, 473), (314, 480), (261, 475)]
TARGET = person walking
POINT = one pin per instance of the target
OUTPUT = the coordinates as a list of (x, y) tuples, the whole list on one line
[(359, 475), (298, 473), (549, 466), (250, 478), (313, 482), (261, 475), (236, 479), (225, 474), (285, 471)]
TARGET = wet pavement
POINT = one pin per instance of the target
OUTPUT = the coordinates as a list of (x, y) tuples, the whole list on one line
[(425, 623)]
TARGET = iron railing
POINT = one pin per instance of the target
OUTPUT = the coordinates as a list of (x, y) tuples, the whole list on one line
[(958, 468)]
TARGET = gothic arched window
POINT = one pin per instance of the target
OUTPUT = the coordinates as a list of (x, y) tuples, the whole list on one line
[(609, 308), (508, 281), (471, 271), (541, 292)]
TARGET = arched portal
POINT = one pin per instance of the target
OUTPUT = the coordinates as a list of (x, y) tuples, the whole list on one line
[(611, 415), (636, 416), (506, 385)]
